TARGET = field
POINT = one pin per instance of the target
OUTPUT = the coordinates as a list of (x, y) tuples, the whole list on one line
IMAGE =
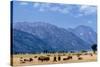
[(52, 58)]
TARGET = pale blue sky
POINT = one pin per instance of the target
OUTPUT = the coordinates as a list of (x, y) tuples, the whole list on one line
[(61, 15)]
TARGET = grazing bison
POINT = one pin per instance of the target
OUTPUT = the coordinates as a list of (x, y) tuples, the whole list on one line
[(91, 54), (59, 58), (28, 60), (43, 58), (80, 58), (21, 60), (25, 60), (68, 58), (55, 59)]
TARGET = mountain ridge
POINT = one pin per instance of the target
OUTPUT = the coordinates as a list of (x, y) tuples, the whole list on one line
[(58, 39)]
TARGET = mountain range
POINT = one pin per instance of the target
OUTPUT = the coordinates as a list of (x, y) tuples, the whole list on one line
[(40, 36), (85, 33)]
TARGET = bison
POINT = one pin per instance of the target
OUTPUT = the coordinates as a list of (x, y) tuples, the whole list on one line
[(43, 58), (80, 58), (68, 58), (59, 58), (91, 54), (25, 60)]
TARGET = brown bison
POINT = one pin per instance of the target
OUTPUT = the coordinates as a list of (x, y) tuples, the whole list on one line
[(25, 60), (43, 58), (80, 58), (59, 58), (68, 58), (91, 54), (55, 59)]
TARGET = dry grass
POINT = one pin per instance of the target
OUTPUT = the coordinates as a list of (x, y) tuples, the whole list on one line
[(85, 58)]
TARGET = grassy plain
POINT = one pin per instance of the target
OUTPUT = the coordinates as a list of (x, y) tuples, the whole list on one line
[(85, 57)]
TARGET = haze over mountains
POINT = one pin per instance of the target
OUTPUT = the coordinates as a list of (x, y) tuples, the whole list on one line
[(39, 36), (85, 33)]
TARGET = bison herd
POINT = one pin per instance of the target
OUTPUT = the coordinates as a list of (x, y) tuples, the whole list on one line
[(47, 58)]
